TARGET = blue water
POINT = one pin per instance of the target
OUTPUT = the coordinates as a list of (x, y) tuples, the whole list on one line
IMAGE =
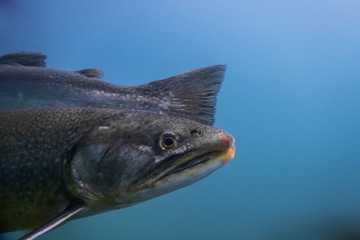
[(290, 98)]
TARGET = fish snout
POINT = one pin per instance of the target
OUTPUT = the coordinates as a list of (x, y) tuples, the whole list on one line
[(227, 146), (226, 139)]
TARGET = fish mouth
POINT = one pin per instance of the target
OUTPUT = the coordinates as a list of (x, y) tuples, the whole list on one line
[(201, 160), (189, 164), (182, 171)]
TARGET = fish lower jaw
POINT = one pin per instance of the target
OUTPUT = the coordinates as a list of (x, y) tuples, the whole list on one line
[(180, 178), (228, 154), (200, 163)]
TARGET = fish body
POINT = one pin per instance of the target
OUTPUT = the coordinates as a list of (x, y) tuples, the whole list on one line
[(25, 82), (58, 164)]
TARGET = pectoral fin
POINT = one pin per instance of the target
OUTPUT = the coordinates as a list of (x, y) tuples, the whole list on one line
[(71, 210)]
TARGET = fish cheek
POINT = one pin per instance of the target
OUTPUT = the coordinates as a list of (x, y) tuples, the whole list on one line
[(123, 165), (102, 175), (81, 174)]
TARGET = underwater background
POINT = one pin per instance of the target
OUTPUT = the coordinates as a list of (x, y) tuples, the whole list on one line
[(291, 99)]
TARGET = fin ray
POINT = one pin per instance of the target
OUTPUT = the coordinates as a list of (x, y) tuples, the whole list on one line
[(72, 209), (193, 94)]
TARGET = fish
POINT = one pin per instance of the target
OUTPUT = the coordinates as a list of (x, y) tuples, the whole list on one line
[(26, 82), (59, 164)]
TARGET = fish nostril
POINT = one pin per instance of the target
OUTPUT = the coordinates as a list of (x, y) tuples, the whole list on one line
[(195, 133)]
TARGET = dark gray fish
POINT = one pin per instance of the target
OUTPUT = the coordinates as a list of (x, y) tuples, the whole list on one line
[(57, 164), (25, 83)]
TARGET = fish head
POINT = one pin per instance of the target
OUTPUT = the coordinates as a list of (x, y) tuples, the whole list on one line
[(139, 156)]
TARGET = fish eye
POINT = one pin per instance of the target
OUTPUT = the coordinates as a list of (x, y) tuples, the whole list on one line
[(167, 141)]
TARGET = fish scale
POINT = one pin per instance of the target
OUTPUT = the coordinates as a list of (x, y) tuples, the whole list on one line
[(35, 152), (58, 164)]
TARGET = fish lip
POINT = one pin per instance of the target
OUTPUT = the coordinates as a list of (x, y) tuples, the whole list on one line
[(198, 160), (222, 155), (216, 155)]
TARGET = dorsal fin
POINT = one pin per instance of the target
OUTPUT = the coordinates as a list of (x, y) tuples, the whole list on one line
[(24, 59), (193, 93), (91, 72)]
